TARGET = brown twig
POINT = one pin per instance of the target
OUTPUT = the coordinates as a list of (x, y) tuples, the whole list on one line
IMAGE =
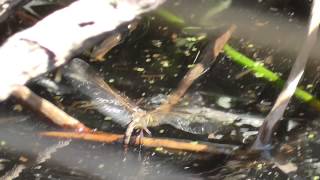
[(49, 110), (148, 142), (111, 41), (26, 18), (211, 53)]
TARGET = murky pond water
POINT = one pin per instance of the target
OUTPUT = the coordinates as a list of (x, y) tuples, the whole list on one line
[(146, 67)]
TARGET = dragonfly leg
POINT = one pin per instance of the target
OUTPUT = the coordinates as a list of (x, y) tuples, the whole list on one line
[(140, 121)]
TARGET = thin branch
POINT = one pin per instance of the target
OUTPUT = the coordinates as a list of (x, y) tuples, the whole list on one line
[(49, 110), (113, 40), (175, 144), (197, 70), (276, 113)]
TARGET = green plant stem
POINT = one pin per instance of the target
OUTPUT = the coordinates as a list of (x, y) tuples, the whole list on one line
[(265, 73), (250, 64), (170, 17)]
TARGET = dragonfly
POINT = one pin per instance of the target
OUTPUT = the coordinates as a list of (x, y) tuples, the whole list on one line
[(190, 117), (193, 119)]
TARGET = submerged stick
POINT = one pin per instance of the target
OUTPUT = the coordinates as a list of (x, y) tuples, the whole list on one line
[(49, 110), (184, 145), (276, 113)]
